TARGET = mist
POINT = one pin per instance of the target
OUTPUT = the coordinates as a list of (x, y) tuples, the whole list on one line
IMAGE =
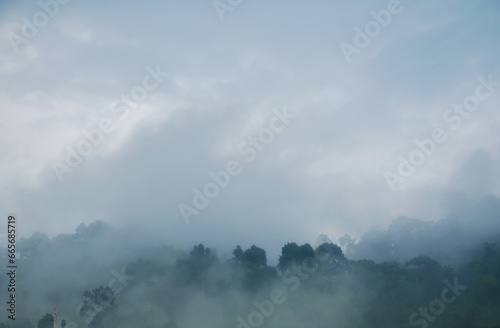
[(107, 276), (233, 163)]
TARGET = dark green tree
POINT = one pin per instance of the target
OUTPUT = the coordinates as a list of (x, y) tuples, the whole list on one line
[(194, 268), (292, 254), (238, 254), (96, 303), (331, 258), (252, 267), (255, 256), (47, 321)]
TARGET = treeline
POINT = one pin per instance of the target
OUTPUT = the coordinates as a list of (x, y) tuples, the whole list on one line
[(99, 277), (310, 287)]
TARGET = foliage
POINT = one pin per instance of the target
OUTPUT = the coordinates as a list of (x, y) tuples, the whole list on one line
[(47, 321), (334, 291)]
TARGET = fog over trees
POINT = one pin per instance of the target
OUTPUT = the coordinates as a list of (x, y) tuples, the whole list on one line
[(413, 274), (244, 164)]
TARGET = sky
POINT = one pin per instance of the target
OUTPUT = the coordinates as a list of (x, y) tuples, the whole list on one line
[(125, 111)]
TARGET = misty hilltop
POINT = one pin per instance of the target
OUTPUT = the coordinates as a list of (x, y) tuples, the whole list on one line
[(244, 164), (104, 276)]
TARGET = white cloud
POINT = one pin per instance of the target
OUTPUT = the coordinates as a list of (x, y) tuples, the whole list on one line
[(225, 79)]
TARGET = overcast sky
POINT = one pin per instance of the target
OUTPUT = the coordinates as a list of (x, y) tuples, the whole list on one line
[(358, 102)]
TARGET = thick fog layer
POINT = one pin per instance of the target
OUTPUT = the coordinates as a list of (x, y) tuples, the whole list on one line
[(104, 276), (236, 163)]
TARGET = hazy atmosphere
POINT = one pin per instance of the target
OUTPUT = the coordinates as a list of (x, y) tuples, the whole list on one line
[(150, 127)]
